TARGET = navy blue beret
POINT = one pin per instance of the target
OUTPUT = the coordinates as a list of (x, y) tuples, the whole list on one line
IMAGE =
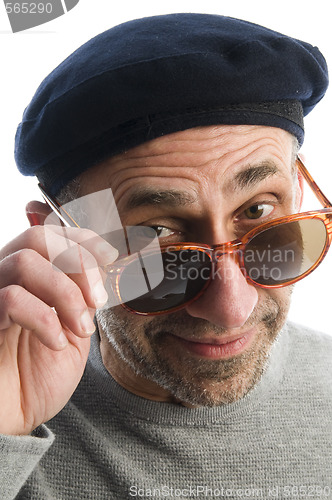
[(159, 75)]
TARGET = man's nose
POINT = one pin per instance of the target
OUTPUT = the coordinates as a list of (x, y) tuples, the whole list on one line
[(229, 299)]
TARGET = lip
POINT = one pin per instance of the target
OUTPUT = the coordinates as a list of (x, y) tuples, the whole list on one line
[(218, 348)]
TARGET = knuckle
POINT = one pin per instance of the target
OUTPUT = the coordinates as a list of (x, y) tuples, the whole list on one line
[(88, 260), (33, 235), (48, 319), (71, 294), (9, 297), (83, 257), (25, 258), (30, 238)]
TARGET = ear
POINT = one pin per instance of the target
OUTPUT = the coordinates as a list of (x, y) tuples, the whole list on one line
[(36, 212)]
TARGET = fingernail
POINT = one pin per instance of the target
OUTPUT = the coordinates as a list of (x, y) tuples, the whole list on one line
[(87, 325), (99, 294), (107, 253), (63, 341)]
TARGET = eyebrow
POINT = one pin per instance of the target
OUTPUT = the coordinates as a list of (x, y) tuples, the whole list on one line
[(245, 179), (251, 176), (151, 197)]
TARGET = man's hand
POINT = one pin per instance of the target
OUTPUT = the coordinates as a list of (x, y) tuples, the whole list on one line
[(46, 320)]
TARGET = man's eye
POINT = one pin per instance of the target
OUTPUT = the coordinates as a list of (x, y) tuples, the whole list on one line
[(258, 211), (162, 231)]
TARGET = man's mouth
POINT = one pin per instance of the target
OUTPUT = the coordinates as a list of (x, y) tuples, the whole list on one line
[(217, 348)]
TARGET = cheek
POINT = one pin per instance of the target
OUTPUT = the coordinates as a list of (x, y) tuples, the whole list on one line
[(281, 295), (125, 327), (282, 298), (135, 322)]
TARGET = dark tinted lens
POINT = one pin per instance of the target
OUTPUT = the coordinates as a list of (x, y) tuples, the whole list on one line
[(186, 272), (131, 239), (285, 252)]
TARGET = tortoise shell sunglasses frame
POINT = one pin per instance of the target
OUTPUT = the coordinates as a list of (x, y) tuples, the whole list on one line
[(236, 247)]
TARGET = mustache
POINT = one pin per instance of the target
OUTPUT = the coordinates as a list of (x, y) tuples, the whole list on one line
[(194, 327)]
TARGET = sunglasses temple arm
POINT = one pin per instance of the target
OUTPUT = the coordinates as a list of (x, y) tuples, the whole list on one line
[(316, 190), (58, 209)]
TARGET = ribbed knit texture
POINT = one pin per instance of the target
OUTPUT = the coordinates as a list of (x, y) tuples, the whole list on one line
[(110, 444)]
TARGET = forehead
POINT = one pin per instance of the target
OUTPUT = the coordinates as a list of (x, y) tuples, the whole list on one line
[(205, 154)]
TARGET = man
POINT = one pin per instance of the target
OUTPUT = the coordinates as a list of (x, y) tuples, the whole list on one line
[(198, 388)]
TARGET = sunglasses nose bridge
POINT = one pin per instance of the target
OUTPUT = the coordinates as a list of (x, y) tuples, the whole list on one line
[(233, 249)]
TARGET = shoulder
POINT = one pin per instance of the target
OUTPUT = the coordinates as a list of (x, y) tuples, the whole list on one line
[(308, 342), (309, 353)]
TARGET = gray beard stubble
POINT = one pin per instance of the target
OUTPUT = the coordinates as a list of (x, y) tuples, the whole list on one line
[(197, 382)]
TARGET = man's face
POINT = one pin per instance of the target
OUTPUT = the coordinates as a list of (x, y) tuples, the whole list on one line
[(227, 180)]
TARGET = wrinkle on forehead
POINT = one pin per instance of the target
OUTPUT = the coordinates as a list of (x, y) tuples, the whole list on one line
[(205, 152), (194, 147)]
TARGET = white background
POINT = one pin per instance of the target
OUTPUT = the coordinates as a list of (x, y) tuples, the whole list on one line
[(27, 57)]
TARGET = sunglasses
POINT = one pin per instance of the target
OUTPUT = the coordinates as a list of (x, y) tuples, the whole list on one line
[(274, 254)]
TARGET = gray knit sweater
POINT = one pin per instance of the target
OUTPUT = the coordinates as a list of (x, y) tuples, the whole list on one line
[(109, 444)]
